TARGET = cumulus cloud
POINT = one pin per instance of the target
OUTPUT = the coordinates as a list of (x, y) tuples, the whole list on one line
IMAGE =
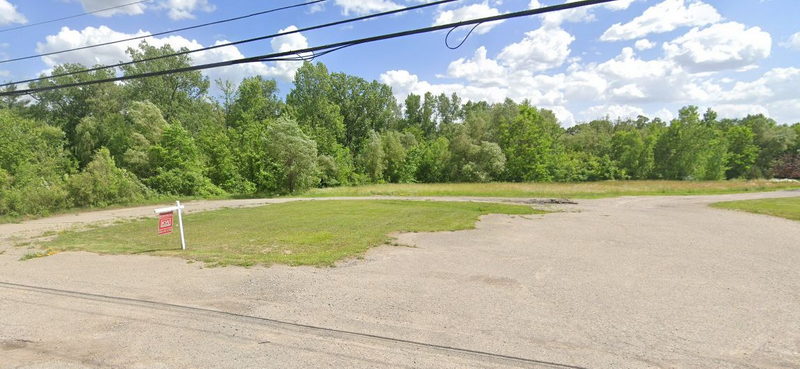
[(467, 12), (94, 5), (738, 110), (540, 49), (111, 54), (793, 42), (185, 9), (721, 46), (362, 7), (9, 14), (644, 44), (664, 17), (612, 112), (577, 15)]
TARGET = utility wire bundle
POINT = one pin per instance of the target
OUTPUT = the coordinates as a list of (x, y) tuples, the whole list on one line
[(308, 53)]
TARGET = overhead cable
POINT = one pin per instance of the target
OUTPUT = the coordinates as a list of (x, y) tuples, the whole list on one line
[(72, 16), (322, 48), (259, 38), (201, 25)]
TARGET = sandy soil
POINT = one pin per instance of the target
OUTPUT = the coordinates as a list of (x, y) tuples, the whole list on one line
[(632, 282)]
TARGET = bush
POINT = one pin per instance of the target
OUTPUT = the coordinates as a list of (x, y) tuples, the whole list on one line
[(787, 166), (101, 183)]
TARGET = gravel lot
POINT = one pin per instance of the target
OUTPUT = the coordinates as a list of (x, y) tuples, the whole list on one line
[(632, 282)]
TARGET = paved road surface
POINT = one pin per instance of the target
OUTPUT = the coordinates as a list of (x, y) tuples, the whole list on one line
[(632, 282)]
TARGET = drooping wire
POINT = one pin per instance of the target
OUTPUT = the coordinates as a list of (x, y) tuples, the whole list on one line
[(328, 47), (305, 29), (226, 20), (447, 37), (72, 16)]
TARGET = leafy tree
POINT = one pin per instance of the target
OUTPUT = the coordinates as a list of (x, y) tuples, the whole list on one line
[(293, 155), (396, 147), (531, 145), (689, 149), (742, 151), (633, 153), (101, 183), (179, 166), (175, 94), (66, 107), (33, 165), (431, 159), (312, 106), (372, 158), (256, 99), (364, 106)]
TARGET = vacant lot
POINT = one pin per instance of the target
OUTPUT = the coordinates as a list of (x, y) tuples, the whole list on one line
[(788, 208), (295, 233), (631, 282), (561, 190)]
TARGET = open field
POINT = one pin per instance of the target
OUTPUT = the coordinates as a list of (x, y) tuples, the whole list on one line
[(584, 190), (788, 208), (295, 233)]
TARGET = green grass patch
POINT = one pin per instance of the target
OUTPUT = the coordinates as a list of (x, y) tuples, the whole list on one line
[(788, 207), (559, 190), (295, 233)]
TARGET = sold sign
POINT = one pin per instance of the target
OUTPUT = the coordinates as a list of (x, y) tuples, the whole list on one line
[(165, 223)]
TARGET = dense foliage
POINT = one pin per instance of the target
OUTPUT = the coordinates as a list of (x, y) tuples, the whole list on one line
[(114, 143)]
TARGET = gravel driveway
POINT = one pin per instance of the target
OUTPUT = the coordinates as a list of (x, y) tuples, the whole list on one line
[(631, 282)]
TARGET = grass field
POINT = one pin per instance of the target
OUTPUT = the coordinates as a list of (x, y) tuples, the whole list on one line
[(784, 207), (560, 190), (295, 233)]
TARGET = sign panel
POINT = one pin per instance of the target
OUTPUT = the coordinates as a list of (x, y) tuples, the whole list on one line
[(165, 223)]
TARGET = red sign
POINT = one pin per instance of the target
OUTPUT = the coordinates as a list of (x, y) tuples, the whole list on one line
[(165, 223)]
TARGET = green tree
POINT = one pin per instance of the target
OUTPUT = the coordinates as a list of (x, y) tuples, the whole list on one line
[(742, 151), (293, 155), (101, 183), (314, 110), (256, 99), (689, 149), (372, 158), (176, 94), (531, 145)]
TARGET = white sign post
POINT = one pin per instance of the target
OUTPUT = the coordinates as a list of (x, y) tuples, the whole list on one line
[(170, 209)]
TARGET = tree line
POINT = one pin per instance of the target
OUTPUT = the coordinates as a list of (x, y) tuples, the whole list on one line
[(102, 144)]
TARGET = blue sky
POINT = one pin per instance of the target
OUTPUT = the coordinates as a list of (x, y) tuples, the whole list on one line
[(622, 59)]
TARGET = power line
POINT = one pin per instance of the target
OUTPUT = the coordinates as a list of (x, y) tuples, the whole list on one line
[(326, 25), (323, 48), (165, 32), (72, 16)]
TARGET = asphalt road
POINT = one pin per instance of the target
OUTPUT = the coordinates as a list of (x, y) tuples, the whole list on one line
[(632, 282)]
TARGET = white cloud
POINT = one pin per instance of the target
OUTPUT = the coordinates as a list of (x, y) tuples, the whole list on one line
[(467, 12), (94, 5), (541, 49), (576, 15), (184, 9), (738, 110), (362, 7), (9, 14), (112, 54), (479, 69), (612, 112), (720, 46), (793, 42), (664, 17), (644, 44)]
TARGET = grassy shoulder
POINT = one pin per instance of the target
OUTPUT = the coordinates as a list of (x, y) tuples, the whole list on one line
[(559, 190), (788, 207), (295, 233)]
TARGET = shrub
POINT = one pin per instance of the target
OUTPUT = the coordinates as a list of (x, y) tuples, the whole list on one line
[(101, 183)]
